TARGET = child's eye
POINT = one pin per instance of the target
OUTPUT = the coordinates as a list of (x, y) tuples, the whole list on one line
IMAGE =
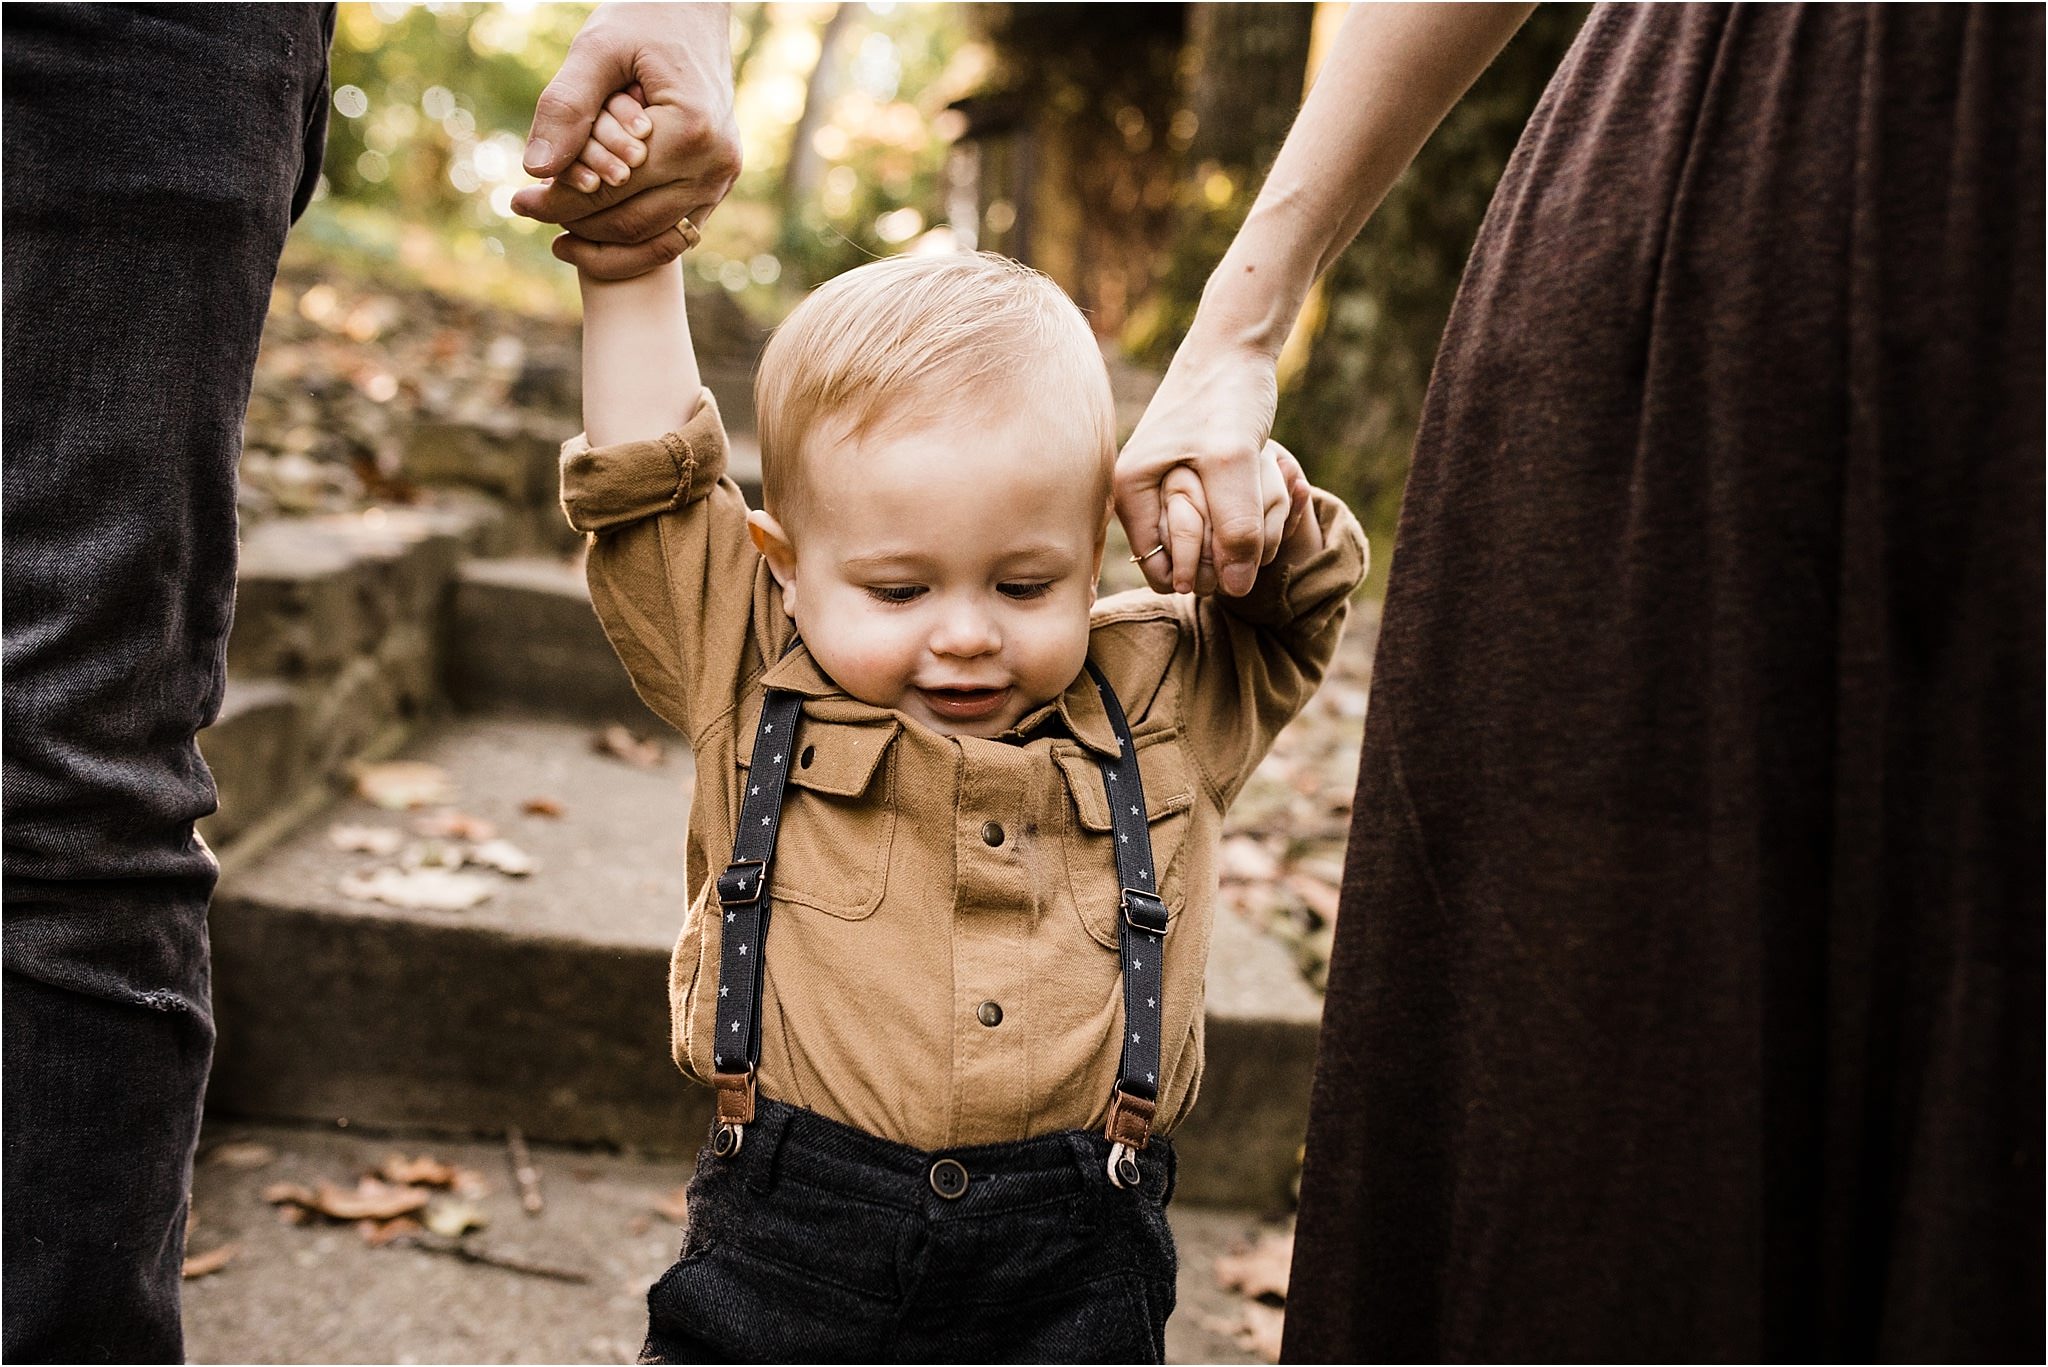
[(895, 593), (1037, 589)]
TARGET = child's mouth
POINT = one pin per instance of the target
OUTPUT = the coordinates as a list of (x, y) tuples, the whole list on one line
[(964, 704)]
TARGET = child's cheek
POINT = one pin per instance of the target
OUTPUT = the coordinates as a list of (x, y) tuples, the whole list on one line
[(875, 653)]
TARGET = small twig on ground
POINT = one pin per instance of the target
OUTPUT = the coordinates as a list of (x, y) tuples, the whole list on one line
[(523, 1170), (471, 1253)]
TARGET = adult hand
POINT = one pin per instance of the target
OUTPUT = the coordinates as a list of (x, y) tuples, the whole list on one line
[(1195, 461), (680, 56)]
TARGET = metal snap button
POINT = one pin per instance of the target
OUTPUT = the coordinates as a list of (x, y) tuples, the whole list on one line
[(949, 1179), (991, 833), (990, 1014)]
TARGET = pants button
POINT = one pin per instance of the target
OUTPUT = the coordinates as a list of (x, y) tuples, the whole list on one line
[(949, 1178)]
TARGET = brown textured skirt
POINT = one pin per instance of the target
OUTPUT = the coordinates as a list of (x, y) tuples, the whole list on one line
[(1687, 993)]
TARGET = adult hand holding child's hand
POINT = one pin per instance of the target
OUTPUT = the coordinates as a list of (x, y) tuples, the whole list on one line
[(680, 58), (1197, 478)]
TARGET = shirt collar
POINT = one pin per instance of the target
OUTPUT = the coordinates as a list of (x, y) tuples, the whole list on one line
[(1079, 709)]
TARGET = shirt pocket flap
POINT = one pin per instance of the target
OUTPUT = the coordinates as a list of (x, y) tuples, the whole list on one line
[(1161, 767), (838, 758)]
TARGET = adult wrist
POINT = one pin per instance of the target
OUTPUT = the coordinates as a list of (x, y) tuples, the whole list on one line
[(1251, 299)]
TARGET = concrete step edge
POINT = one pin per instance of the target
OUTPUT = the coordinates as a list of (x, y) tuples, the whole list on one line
[(409, 1020)]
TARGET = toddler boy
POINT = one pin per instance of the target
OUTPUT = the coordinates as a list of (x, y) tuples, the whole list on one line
[(982, 807)]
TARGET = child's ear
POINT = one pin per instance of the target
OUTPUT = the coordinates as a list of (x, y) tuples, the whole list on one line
[(773, 543), (1095, 582)]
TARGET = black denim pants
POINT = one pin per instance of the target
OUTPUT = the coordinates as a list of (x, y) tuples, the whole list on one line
[(819, 1243), (154, 157)]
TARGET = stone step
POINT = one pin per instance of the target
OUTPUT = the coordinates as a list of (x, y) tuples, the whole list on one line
[(514, 458), (524, 639), (337, 650), (545, 1007)]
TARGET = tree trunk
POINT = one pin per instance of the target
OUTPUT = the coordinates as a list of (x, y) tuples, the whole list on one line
[(804, 168), (1246, 64), (1242, 73)]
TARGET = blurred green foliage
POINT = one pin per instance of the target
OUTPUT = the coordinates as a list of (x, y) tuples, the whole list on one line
[(432, 104)]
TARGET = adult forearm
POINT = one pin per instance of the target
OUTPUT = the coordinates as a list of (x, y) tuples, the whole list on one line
[(1393, 73)]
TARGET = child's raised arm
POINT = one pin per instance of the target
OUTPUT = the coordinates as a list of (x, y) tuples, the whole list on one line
[(639, 372)]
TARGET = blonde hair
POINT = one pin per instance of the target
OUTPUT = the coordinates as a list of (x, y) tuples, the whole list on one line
[(901, 336)]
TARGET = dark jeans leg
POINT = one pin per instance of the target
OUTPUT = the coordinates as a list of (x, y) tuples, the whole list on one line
[(153, 160)]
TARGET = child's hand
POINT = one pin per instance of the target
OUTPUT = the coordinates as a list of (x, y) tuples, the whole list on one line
[(1302, 534), (615, 145), (1184, 529)]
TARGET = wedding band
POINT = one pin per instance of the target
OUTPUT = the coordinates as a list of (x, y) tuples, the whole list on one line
[(1141, 559), (692, 235)]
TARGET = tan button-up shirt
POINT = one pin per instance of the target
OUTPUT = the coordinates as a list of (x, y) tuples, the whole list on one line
[(920, 876)]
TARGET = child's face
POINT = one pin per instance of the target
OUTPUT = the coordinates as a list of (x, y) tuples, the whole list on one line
[(946, 568)]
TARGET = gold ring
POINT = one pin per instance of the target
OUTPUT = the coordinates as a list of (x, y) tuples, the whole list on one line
[(692, 235), (1141, 559)]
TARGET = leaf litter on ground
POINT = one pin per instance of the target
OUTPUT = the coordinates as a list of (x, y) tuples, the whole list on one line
[(504, 856), (674, 1206), (213, 1260), (415, 1202), (1259, 1274), (377, 840), (1282, 858), (622, 744), (241, 1153), (371, 1199), (450, 824), (399, 785), (423, 889)]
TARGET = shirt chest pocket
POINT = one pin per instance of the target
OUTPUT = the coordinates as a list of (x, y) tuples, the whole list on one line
[(838, 816), (1091, 852)]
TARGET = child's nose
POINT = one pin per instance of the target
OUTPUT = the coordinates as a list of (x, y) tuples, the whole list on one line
[(967, 629)]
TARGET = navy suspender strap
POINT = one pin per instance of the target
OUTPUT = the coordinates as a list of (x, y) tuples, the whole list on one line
[(743, 904), (1141, 939)]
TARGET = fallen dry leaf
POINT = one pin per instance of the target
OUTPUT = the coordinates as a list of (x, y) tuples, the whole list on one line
[(541, 806), (1321, 898), (377, 1233), (1262, 1329), (453, 825), (1261, 1270), (1247, 859), (241, 1153), (371, 1200), (399, 784), (674, 1206), (505, 857), (434, 854), (418, 889), (423, 1171), (378, 840), (621, 744), (208, 1263), (453, 1219)]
